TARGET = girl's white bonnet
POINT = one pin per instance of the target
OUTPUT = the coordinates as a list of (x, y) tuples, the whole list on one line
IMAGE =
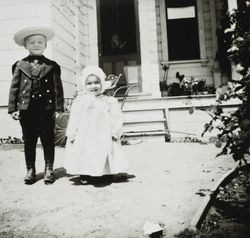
[(93, 70)]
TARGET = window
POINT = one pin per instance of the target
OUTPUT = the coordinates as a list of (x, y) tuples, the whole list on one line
[(118, 27), (182, 30)]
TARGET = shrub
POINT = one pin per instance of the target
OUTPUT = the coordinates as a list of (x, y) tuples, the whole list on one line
[(234, 127)]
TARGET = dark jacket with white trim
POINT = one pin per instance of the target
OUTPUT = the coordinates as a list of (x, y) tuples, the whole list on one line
[(51, 85)]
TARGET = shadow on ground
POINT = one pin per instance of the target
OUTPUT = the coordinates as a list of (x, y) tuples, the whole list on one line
[(103, 181)]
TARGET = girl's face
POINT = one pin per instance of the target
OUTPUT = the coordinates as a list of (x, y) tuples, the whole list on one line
[(93, 85), (35, 44)]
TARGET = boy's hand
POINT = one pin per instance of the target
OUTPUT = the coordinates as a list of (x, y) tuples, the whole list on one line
[(15, 115)]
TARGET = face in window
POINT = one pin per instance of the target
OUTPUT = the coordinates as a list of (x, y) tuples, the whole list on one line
[(93, 85), (35, 44)]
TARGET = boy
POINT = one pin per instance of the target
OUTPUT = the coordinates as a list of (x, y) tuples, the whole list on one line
[(36, 94)]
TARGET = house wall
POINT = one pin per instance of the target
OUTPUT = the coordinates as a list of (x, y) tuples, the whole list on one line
[(15, 15), (75, 41), (73, 47), (74, 44)]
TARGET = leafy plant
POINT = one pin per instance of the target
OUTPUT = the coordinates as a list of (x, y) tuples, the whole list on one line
[(11, 140), (234, 127), (185, 86)]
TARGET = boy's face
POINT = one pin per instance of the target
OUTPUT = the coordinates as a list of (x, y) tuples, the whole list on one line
[(35, 44), (93, 85)]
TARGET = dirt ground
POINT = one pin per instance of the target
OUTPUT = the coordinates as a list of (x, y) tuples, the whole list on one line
[(229, 213), (165, 180)]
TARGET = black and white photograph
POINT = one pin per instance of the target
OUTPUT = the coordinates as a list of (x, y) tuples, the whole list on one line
[(124, 118)]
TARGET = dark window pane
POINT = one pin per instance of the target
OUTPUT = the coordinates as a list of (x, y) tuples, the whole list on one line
[(182, 30), (183, 43), (118, 27)]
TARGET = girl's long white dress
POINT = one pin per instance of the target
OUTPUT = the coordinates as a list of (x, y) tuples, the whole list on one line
[(93, 121)]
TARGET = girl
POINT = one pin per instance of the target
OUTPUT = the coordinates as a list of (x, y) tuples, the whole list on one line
[(94, 129)]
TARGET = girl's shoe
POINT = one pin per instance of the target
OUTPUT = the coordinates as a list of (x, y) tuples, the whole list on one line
[(85, 179)]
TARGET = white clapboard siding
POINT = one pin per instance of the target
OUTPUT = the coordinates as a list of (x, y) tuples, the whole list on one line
[(63, 59), (63, 32), (83, 37), (84, 49), (63, 18), (4, 91), (68, 74), (7, 43), (5, 73), (64, 47), (8, 58), (69, 88), (12, 26), (71, 46), (64, 43), (12, 12), (16, 2)]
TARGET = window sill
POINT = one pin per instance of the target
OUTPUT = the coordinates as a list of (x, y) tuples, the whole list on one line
[(203, 62)]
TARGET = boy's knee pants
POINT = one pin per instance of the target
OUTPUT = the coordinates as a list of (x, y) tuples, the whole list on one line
[(38, 123)]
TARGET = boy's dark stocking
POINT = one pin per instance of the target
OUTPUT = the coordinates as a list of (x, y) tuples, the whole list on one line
[(46, 123), (30, 157), (49, 153), (30, 136)]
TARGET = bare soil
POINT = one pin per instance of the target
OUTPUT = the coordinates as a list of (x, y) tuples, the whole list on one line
[(229, 215), (167, 184)]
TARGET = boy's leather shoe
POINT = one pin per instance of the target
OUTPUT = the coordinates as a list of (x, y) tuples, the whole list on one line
[(30, 176), (49, 176)]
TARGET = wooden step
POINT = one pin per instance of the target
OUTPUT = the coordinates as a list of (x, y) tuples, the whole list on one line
[(142, 134), (142, 110), (144, 127), (145, 121)]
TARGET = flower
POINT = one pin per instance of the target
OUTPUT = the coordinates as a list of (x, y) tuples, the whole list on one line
[(239, 68), (239, 39), (229, 30), (233, 49)]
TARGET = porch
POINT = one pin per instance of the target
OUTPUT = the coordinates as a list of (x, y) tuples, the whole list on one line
[(170, 118), (149, 119)]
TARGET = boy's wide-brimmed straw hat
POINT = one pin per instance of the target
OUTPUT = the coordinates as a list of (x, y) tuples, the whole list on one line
[(21, 35)]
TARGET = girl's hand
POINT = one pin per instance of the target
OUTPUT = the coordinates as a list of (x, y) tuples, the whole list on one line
[(15, 115)]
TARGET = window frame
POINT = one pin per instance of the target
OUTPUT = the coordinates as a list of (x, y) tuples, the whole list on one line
[(201, 29)]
